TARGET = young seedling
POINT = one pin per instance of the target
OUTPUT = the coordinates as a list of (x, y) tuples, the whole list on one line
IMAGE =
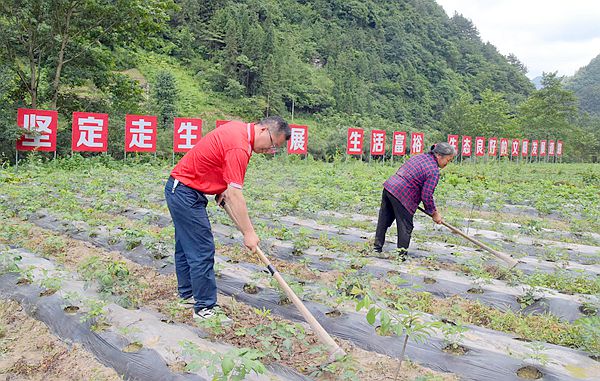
[(297, 287), (233, 365), (174, 309), (400, 322), (590, 335), (591, 305), (9, 262), (453, 337), (51, 283), (215, 324), (343, 368), (536, 353), (275, 337), (530, 295), (477, 200), (95, 313)]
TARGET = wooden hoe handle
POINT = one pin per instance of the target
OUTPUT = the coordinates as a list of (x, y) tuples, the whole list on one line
[(324, 337), (510, 261)]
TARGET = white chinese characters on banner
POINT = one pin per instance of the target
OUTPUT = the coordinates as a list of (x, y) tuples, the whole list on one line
[(377, 142), (493, 147), (479, 146), (355, 141), (534, 148), (551, 148), (298, 143), (40, 130), (89, 132), (417, 143), (140, 133), (542, 148), (186, 133), (559, 147), (503, 147), (466, 146), (515, 148), (399, 143), (453, 141), (524, 147)]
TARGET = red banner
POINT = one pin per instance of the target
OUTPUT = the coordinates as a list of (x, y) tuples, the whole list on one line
[(559, 147), (550, 147), (40, 130), (89, 132), (377, 142), (355, 141), (542, 148), (416, 143), (186, 133), (479, 146), (453, 141), (524, 147), (298, 143), (503, 147), (493, 147), (515, 148), (534, 148), (140, 133), (467, 146), (399, 143)]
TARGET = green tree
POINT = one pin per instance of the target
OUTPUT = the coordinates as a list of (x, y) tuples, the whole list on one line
[(40, 37), (550, 111), (164, 94), (494, 116)]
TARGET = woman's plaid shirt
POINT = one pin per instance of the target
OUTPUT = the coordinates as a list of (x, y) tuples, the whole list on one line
[(414, 182)]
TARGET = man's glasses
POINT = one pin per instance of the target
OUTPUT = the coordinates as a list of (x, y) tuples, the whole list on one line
[(273, 148)]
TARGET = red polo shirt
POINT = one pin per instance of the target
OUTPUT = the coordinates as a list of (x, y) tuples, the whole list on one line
[(219, 159)]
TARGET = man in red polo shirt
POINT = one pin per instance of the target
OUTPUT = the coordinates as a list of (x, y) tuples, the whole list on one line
[(215, 166)]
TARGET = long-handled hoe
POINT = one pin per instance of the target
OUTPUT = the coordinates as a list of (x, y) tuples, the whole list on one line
[(510, 261), (334, 349)]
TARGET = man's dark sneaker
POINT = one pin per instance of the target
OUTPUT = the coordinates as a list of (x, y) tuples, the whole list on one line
[(214, 312)]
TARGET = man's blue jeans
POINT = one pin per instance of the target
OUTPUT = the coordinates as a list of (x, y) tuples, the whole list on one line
[(194, 244)]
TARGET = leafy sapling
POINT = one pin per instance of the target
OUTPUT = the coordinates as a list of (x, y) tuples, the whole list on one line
[(536, 353), (233, 365), (400, 322), (590, 335), (453, 337), (530, 296)]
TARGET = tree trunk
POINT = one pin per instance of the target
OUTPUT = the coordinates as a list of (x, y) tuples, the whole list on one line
[(56, 82), (401, 357), (32, 70), (61, 59)]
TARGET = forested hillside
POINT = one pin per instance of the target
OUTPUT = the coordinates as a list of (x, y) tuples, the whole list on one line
[(395, 65), (586, 85)]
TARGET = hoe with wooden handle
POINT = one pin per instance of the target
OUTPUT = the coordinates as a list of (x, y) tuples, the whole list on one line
[(334, 349), (510, 261)]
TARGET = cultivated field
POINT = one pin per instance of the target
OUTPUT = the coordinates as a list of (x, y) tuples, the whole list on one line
[(86, 247)]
